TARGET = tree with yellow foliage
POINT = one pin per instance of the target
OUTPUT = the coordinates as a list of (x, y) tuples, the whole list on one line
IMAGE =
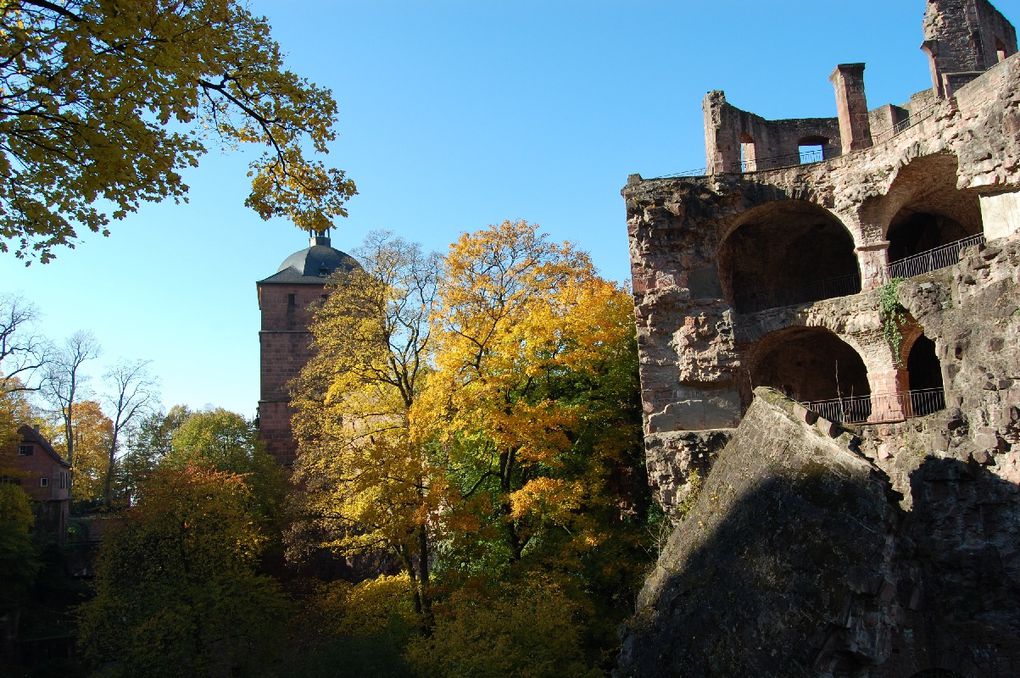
[(525, 333), (105, 103), (486, 430), (366, 482), (92, 431)]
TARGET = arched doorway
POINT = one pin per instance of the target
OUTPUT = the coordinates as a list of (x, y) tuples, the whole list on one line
[(812, 364), (787, 252), (913, 232), (924, 373)]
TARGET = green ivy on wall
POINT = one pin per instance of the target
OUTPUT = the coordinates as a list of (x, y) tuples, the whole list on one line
[(892, 317)]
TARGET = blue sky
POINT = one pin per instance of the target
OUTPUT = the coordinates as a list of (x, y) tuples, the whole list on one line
[(455, 114)]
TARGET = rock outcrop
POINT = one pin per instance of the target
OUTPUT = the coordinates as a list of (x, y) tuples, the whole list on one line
[(798, 559)]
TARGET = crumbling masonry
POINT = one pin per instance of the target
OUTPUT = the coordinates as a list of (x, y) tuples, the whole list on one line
[(867, 268), (767, 269)]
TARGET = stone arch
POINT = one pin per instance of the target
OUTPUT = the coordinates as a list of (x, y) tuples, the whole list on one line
[(924, 209), (786, 252), (924, 378), (808, 364)]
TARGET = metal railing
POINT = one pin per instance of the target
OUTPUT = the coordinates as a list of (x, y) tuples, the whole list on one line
[(826, 288), (933, 259), (842, 286), (806, 157), (914, 118), (880, 407)]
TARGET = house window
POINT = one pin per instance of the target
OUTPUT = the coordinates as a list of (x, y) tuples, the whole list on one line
[(25, 450), (44, 482)]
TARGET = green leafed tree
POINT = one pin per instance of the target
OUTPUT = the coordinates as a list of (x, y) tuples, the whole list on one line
[(225, 441), (103, 103), (177, 592), (18, 558)]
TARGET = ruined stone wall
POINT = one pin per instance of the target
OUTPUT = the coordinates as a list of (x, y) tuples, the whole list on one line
[(962, 160), (775, 142), (799, 558), (876, 551), (963, 38)]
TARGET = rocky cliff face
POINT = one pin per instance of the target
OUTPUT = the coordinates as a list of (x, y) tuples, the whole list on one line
[(799, 558)]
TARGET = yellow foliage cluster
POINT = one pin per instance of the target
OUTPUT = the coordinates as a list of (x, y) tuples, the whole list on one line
[(365, 608), (470, 405), (93, 432), (106, 102), (525, 630)]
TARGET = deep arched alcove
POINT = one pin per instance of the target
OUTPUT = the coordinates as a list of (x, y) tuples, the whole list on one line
[(787, 252), (926, 210), (808, 364)]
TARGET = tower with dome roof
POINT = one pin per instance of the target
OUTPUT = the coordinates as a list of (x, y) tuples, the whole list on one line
[(285, 301)]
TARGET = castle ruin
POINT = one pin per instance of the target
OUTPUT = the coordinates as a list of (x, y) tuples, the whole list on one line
[(767, 268), (828, 321)]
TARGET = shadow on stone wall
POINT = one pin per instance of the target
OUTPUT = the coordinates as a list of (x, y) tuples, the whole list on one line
[(812, 569)]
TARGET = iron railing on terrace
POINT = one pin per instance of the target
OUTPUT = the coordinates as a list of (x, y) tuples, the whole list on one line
[(914, 118), (805, 157), (827, 288), (842, 286), (933, 259), (880, 407)]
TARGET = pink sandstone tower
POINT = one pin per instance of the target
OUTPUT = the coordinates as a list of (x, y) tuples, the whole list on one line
[(285, 299)]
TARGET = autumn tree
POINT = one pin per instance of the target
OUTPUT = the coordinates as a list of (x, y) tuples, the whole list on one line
[(177, 592), (526, 334), (366, 482), (18, 557), (148, 444), (23, 355), (516, 453), (92, 431), (64, 383), (132, 395), (221, 440), (105, 103)]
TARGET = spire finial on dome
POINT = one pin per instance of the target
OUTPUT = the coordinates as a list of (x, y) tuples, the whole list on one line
[(319, 237)]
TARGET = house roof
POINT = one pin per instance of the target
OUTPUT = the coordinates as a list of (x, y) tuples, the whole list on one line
[(30, 435)]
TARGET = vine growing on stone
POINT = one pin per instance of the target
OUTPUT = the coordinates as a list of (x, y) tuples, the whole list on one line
[(892, 316)]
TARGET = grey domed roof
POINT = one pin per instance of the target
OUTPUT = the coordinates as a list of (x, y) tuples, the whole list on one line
[(313, 264)]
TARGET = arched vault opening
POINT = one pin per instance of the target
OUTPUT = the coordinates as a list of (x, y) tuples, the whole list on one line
[(925, 210), (787, 252), (808, 364)]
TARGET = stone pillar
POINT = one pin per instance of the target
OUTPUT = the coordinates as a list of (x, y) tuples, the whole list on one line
[(852, 107), (722, 143), (886, 401), (873, 259)]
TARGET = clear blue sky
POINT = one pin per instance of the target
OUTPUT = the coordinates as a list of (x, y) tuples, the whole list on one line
[(455, 114)]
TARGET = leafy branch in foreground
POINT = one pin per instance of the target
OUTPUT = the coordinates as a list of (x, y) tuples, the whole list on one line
[(103, 104)]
